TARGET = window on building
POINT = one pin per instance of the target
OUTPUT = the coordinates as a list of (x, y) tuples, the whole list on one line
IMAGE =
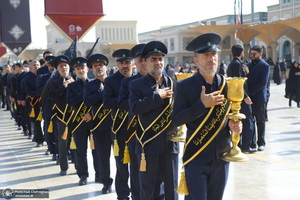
[(106, 51), (286, 1), (186, 41), (172, 45), (166, 43)]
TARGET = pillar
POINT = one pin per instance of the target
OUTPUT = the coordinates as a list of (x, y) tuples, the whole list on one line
[(274, 46)]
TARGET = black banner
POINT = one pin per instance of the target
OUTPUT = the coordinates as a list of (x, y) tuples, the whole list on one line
[(71, 52), (15, 25)]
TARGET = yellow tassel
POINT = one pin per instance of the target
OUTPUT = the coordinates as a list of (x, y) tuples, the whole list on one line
[(40, 116), (143, 163), (126, 159), (32, 114), (50, 127), (73, 144), (182, 188), (15, 106), (92, 142), (116, 148), (65, 135)]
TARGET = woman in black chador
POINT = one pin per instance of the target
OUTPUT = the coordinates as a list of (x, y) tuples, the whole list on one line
[(293, 84), (276, 74)]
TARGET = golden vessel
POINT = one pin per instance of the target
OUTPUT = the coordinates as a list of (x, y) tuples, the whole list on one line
[(235, 93)]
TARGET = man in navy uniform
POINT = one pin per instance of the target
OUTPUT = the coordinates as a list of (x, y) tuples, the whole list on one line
[(199, 100), (119, 125), (14, 92), (80, 124), (31, 90), (101, 124), (21, 103), (46, 105), (123, 104), (151, 100), (258, 79), (63, 111)]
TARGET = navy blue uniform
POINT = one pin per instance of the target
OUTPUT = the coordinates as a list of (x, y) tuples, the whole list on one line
[(58, 94), (19, 97), (27, 108), (93, 96), (4, 85), (206, 174), (50, 138), (110, 99), (74, 98), (123, 104), (161, 154), (17, 108), (30, 88)]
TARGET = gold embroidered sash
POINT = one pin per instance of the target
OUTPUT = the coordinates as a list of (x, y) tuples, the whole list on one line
[(131, 129), (65, 114), (77, 120), (207, 130), (119, 120), (99, 117), (159, 124)]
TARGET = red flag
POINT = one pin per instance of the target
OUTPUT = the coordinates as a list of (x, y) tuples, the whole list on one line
[(73, 17), (2, 51)]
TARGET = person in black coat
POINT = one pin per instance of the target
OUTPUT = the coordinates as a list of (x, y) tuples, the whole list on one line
[(4, 83), (237, 69), (293, 84), (80, 130), (123, 103), (258, 81), (31, 90), (151, 100), (57, 93), (276, 74), (119, 127), (198, 101), (46, 105), (102, 121)]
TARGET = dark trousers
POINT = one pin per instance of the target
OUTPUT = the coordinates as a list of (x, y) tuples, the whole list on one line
[(206, 181), (122, 175), (103, 142), (162, 167), (50, 137), (62, 146), (81, 136), (24, 118), (7, 102), (36, 130), (3, 101), (27, 110), (258, 110), (19, 115), (247, 132), (134, 171)]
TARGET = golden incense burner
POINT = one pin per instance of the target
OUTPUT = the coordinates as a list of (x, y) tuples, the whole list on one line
[(180, 135), (235, 93)]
